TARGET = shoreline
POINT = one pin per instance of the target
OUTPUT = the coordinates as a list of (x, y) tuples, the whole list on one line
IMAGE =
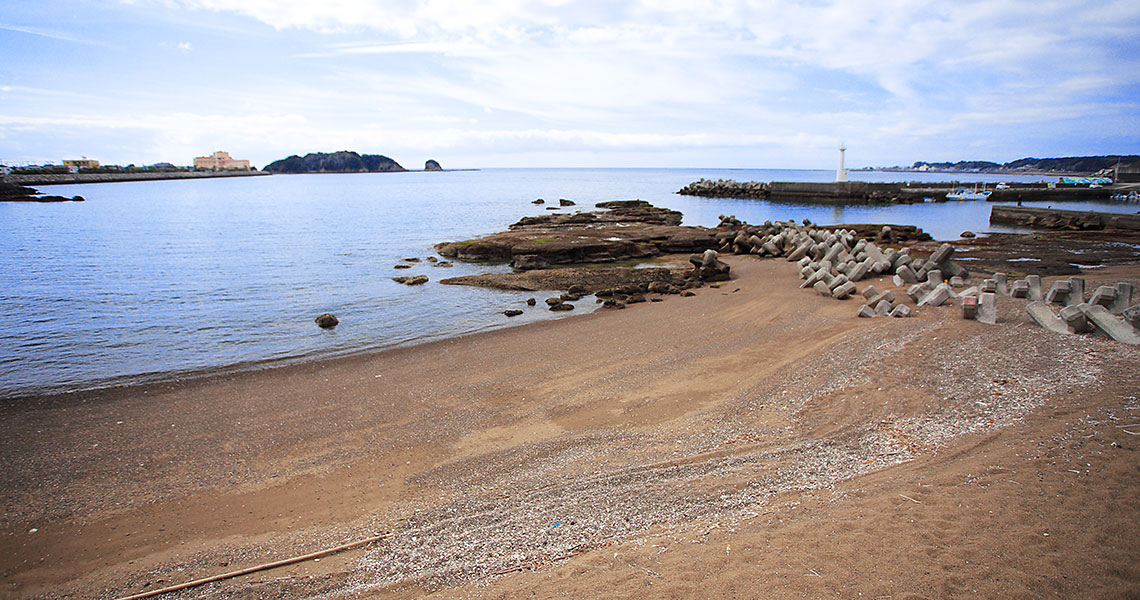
[(77, 178), (603, 434)]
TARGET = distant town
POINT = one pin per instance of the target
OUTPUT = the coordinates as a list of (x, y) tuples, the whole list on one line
[(218, 161)]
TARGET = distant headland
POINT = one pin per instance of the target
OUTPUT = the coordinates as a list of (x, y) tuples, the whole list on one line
[(335, 162), (1084, 165)]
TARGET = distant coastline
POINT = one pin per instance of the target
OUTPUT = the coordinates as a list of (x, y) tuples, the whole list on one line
[(69, 178)]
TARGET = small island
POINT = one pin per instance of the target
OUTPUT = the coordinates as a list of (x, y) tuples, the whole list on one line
[(343, 161)]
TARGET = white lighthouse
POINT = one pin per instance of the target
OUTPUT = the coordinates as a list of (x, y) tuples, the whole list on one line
[(841, 173)]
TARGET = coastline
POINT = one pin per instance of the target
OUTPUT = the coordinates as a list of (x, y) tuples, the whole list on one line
[(604, 432), (71, 178)]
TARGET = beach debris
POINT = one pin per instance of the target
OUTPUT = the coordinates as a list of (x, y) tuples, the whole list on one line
[(327, 321)]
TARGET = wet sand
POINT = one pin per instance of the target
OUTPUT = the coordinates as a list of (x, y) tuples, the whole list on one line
[(753, 440)]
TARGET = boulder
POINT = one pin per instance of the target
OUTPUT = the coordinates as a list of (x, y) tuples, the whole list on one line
[(327, 321), (514, 312)]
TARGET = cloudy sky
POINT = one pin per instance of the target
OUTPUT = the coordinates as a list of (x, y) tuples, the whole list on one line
[(500, 83)]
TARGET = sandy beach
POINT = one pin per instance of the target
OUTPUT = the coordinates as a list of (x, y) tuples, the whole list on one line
[(755, 440)]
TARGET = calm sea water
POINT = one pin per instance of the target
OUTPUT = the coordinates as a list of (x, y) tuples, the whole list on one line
[(149, 281)]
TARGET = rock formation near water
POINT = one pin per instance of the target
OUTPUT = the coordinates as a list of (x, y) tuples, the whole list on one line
[(335, 162)]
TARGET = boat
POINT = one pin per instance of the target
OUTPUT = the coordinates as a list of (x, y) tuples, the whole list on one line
[(964, 194)]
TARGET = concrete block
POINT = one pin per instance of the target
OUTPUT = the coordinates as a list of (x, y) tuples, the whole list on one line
[(901, 260), (844, 291), (916, 292), (989, 285), (936, 297), (1111, 325), (1058, 293), (882, 308), (837, 281), (987, 308), (934, 277), (859, 271), (888, 295), (822, 289), (1132, 315), (866, 312), (943, 253), (917, 265), (1076, 291), (1035, 293), (1045, 317), (953, 269), (905, 273), (870, 292), (1104, 295), (1019, 289), (803, 262), (970, 291), (969, 307), (807, 272), (901, 311), (957, 282), (1124, 293), (1074, 318), (801, 251), (832, 253), (1002, 281)]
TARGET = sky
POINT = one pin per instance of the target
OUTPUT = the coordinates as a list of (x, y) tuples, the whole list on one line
[(562, 83)]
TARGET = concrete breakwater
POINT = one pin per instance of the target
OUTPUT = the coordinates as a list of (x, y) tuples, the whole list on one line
[(68, 178), (1053, 218), (845, 192), (862, 192)]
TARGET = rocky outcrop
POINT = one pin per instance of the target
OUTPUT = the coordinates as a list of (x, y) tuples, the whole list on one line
[(335, 162), (432, 165), (630, 229), (10, 192)]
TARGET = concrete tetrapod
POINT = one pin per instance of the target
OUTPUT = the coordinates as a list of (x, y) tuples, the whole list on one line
[(987, 308), (1113, 326), (1045, 317)]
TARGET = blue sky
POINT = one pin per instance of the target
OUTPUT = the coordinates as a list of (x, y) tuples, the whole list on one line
[(505, 83)]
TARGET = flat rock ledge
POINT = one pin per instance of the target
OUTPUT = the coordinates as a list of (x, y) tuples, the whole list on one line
[(626, 230)]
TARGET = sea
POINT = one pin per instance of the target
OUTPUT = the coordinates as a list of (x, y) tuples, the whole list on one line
[(166, 280)]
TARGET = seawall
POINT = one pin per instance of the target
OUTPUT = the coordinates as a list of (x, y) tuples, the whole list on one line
[(68, 178), (1053, 218)]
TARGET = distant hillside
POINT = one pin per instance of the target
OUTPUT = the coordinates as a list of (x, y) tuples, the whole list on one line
[(1072, 164), (335, 162)]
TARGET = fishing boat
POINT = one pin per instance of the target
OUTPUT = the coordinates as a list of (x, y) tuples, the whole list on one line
[(964, 194)]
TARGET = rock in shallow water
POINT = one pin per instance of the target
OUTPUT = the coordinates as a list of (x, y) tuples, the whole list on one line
[(327, 321)]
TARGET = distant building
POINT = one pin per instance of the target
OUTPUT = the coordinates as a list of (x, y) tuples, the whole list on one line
[(220, 161), (74, 164)]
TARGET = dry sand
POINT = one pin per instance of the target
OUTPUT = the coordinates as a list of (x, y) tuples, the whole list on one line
[(753, 441)]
